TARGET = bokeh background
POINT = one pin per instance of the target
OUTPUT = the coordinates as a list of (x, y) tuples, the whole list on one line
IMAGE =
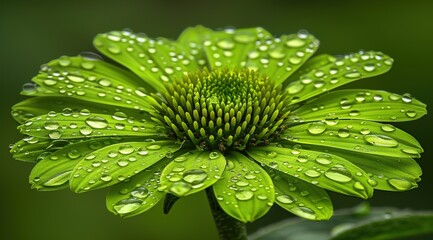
[(32, 33)]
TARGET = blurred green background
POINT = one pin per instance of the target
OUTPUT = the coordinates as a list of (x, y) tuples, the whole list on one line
[(34, 33)]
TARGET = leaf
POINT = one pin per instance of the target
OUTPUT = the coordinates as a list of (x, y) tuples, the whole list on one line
[(380, 223), (192, 172), (245, 191), (139, 193), (385, 173), (357, 136), (118, 162), (73, 125), (54, 170), (155, 60), (94, 81), (301, 198), (361, 104), (343, 70), (322, 169), (36, 106), (30, 148)]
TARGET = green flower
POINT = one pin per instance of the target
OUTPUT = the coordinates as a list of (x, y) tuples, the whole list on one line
[(249, 117)]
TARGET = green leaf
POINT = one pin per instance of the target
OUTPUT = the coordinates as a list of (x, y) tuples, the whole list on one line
[(322, 169), (192, 172), (118, 162), (36, 106), (357, 136), (139, 193), (343, 70), (30, 148), (245, 191), (54, 170), (380, 224), (386, 173), (301, 198), (73, 125), (361, 104), (94, 81), (154, 60)]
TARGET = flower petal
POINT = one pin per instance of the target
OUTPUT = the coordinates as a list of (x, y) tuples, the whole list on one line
[(256, 49), (325, 170), (94, 81), (72, 125), (361, 104), (340, 71), (192, 172), (390, 174), (357, 136), (36, 106), (245, 190), (30, 148), (301, 198), (54, 170), (155, 61), (118, 162), (139, 194)]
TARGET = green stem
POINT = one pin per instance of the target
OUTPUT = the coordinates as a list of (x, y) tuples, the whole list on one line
[(228, 227)]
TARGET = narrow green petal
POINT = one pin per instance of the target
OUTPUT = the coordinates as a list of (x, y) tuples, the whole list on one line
[(94, 81), (54, 170), (372, 105), (192, 172), (34, 89), (139, 193), (118, 162), (36, 106), (357, 136), (343, 70), (301, 198), (322, 169), (245, 190), (192, 40), (72, 125), (30, 148), (386, 173), (154, 60)]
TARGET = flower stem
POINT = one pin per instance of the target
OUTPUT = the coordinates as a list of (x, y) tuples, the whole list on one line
[(228, 227)]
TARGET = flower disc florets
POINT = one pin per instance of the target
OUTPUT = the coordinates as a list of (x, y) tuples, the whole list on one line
[(224, 109)]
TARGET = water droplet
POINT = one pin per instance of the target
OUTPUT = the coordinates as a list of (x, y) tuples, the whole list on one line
[(372, 182), (312, 173), (358, 186), (153, 147), (272, 154), (369, 67), (54, 134), (180, 188), (180, 159), (74, 154), (295, 87), (140, 192), (226, 44), (411, 113), (51, 125), (213, 155), (316, 128), (411, 151), (365, 131), (352, 75), (284, 199), (380, 140), (244, 195), (324, 159), (406, 98), (277, 54), (122, 163), (50, 82), (114, 49), (195, 176), (127, 205), (76, 79), (58, 179), (400, 184), (244, 37), (343, 133), (86, 130), (97, 122), (126, 149), (339, 174), (106, 178), (104, 82), (387, 128), (304, 212), (295, 43)]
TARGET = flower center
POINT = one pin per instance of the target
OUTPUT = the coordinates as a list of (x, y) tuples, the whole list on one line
[(224, 109)]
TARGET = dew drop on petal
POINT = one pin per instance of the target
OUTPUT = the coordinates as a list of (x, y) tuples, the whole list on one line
[(304, 212), (195, 176), (180, 188), (316, 128), (284, 199), (339, 174), (244, 195), (140, 192), (97, 122), (380, 140), (400, 184), (127, 205)]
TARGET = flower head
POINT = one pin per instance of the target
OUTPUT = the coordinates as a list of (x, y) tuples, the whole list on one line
[(248, 115)]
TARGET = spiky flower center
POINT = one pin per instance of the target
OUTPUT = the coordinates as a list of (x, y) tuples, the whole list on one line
[(224, 109)]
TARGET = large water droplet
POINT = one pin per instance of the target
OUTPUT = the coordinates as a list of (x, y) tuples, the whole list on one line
[(400, 184), (343, 133), (106, 178), (85, 130), (58, 179), (54, 134), (244, 195), (380, 140), (284, 199), (51, 125), (127, 205), (304, 212), (153, 147), (97, 122), (126, 149), (324, 159), (387, 128), (339, 174), (295, 87), (312, 173), (214, 155), (316, 128), (352, 75), (226, 44), (195, 176), (140, 192), (295, 43), (180, 188)]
